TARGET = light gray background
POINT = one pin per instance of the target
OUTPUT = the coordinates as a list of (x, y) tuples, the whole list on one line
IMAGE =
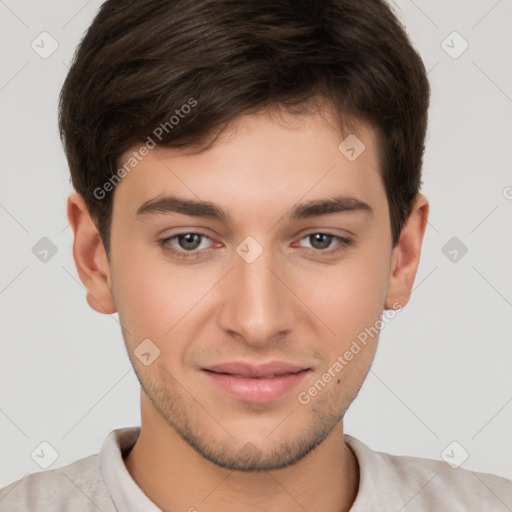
[(443, 371)]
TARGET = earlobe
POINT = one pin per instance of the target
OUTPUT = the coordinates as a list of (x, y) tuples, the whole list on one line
[(406, 255), (90, 257)]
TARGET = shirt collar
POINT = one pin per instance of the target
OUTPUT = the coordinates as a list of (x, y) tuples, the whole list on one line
[(124, 491), (128, 496)]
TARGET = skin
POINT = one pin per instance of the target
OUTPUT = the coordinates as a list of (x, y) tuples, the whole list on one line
[(200, 448)]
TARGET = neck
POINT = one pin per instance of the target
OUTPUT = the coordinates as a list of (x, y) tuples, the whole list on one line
[(175, 477)]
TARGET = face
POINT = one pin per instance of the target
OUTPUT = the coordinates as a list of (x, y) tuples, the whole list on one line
[(252, 279)]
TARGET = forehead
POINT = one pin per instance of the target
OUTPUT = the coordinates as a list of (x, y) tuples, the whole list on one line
[(261, 162)]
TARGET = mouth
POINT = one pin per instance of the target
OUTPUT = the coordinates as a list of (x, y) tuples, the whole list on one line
[(256, 383)]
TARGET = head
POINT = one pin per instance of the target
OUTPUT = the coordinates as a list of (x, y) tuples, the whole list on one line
[(247, 181)]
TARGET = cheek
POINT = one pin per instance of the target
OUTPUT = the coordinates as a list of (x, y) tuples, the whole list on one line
[(143, 293), (348, 297), (156, 298)]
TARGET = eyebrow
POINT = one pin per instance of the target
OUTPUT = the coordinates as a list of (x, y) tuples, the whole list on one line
[(193, 208)]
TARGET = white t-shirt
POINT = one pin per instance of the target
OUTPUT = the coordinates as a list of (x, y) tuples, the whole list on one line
[(387, 483)]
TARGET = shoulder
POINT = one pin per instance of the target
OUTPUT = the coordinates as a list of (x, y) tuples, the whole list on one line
[(77, 486), (418, 484)]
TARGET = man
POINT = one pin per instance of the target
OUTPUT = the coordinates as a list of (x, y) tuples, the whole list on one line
[(247, 199)]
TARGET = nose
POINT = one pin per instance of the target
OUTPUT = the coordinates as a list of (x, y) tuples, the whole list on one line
[(257, 305)]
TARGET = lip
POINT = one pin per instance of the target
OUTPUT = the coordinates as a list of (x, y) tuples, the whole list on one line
[(256, 383)]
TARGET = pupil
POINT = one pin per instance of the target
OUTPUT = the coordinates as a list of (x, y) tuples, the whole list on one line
[(324, 240)]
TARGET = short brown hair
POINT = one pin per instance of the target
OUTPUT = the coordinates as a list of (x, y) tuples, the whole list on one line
[(141, 60)]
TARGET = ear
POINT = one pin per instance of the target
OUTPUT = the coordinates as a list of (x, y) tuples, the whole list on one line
[(90, 256), (406, 255)]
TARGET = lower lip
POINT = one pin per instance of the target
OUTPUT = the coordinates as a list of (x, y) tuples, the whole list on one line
[(256, 389)]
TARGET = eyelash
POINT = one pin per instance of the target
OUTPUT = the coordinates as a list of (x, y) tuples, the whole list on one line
[(344, 243)]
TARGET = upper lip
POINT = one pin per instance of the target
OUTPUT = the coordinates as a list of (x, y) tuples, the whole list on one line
[(256, 370)]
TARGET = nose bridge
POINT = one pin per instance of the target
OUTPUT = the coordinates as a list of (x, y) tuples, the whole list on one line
[(257, 305)]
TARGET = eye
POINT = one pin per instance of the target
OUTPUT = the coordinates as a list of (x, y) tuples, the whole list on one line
[(194, 245), (322, 241), (185, 245)]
